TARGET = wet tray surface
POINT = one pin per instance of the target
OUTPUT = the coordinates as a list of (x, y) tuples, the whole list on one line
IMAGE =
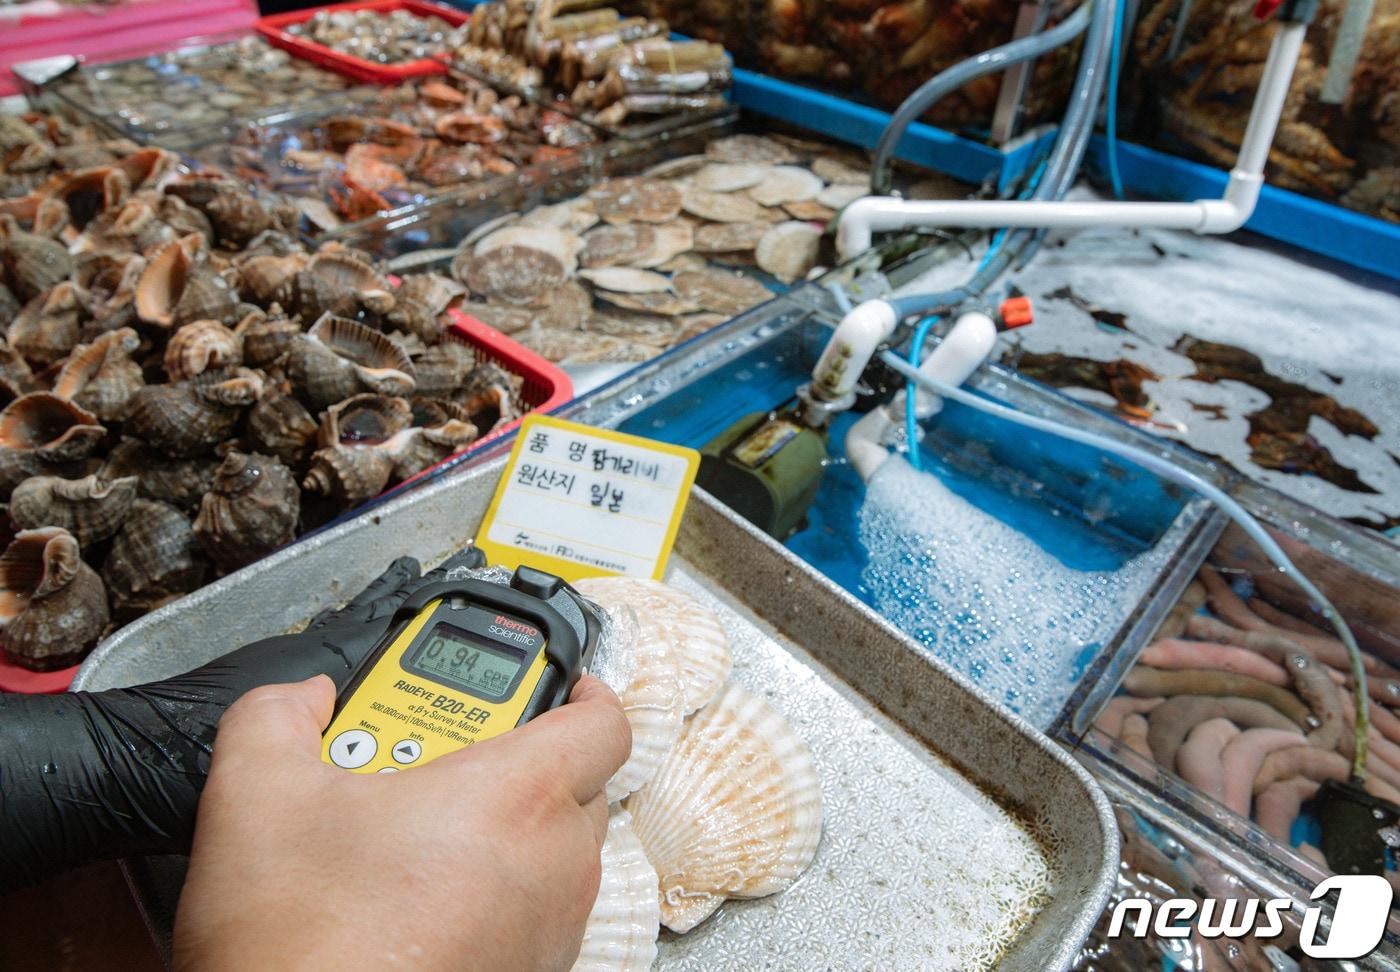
[(986, 847)]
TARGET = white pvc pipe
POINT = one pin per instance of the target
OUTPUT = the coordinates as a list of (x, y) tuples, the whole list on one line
[(954, 360), (865, 217), (850, 349)]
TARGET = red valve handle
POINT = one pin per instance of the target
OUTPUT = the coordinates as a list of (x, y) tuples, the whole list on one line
[(1264, 9)]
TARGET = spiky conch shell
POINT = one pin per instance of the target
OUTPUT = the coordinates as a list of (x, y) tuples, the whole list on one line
[(250, 511), (88, 508), (53, 607), (266, 336), (265, 276), (378, 418), (734, 812), (350, 476), (48, 327), (190, 417), (154, 557), (339, 358), (33, 263), (101, 376), (441, 370), (94, 191), (429, 446), (174, 289), (702, 645), (181, 483), (279, 425), (620, 935), (347, 271), (53, 429), (200, 346), (641, 665)]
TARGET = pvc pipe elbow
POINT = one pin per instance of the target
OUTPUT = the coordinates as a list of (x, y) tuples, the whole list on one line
[(850, 349), (957, 356), (855, 226), (865, 443)]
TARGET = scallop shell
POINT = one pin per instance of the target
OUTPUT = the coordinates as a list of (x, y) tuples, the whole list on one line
[(841, 196), (53, 429), (789, 250), (635, 199), (564, 247), (515, 274), (279, 426), (349, 475), (841, 172), (626, 280), (101, 377), (32, 263), (672, 240), (154, 557), (730, 237), (665, 304), (720, 291), (250, 511), (88, 508), (53, 607), (786, 184), (734, 812), (618, 245), (749, 148), (200, 346), (705, 658), (809, 211), (48, 327), (620, 935), (722, 207), (574, 215), (730, 176)]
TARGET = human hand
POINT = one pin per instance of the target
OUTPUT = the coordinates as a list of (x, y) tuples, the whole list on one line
[(484, 859), (122, 769)]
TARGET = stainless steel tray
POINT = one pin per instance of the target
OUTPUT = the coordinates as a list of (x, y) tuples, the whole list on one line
[(950, 824)]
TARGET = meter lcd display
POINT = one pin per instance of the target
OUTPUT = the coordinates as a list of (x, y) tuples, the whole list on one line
[(463, 660)]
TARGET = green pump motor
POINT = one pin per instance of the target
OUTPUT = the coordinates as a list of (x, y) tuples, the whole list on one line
[(766, 467)]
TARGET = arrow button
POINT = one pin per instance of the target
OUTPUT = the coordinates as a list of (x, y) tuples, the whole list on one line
[(353, 748), (407, 751)]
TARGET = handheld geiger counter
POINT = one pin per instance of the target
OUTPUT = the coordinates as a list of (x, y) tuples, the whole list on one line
[(463, 661)]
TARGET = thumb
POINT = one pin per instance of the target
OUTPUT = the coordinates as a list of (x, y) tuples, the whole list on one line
[(274, 725)]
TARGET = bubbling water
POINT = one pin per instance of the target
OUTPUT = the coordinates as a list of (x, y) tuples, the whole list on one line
[(984, 598)]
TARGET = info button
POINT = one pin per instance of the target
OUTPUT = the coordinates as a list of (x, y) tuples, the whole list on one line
[(407, 751)]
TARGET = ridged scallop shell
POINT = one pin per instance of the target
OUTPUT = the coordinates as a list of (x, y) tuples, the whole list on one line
[(348, 475), (250, 511), (48, 327), (32, 263), (620, 935), (200, 346), (53, 607), (701, 643), (88, 508), (173, 290), (53, 429), (734, 812), (278, 425), (101, 377), (154, 557)]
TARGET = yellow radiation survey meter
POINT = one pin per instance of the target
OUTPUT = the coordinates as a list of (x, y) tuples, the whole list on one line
[(463, 661)]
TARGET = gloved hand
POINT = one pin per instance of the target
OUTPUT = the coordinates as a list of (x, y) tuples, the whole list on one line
[(93, 775)]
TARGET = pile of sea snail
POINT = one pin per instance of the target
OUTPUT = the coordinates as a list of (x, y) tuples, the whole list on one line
[(185, 388)]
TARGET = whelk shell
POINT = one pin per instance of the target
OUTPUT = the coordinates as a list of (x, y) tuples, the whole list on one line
[(53, 606), (734, 812), (53, 429), (88, 508), (174, 290), (620, 935), (191, 417), (91, 192), (443, 368), (49, 326), (154, 557), (32, 263), (279, 426), (179, 482), (250, 511), (266, 336), (200, 346), (265, 276), (349, 475)]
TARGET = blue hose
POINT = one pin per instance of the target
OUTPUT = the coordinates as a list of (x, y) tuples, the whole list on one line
[(1169, 471), (1111, 122)]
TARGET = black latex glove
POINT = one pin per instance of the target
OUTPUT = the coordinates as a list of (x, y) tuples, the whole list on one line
[(93, 775)]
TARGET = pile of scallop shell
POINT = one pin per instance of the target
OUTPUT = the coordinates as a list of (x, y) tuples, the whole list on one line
[(185, 388), (720, 797), (192, 89), (1254, 707), (639, 264), (411, 143), (382, 37)]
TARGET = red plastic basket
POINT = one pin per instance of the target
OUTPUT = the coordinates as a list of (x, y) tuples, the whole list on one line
[(23, 681), (274, 28), (546, 386)]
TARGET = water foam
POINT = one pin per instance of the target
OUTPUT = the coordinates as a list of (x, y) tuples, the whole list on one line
[(984, 598)]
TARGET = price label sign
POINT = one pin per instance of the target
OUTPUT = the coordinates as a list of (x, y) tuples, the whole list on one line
[(583, 502)]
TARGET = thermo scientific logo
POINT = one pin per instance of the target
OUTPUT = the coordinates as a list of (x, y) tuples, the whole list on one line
[(1358, 921)]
